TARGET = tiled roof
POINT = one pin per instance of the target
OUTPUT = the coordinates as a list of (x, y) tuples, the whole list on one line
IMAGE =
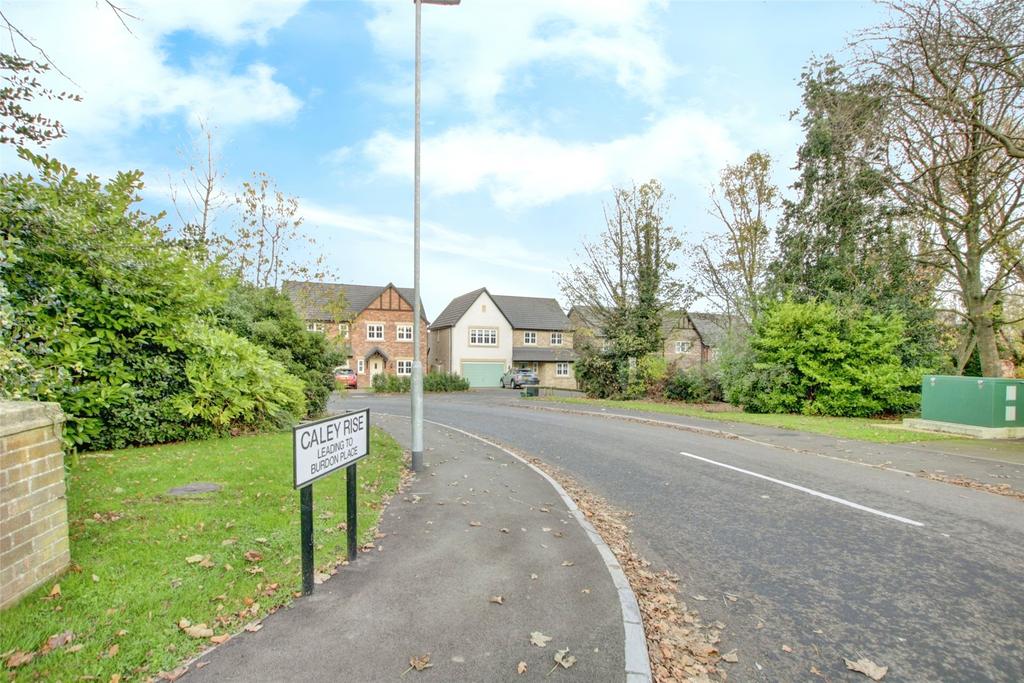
[(532, 313), (522, 312), (454, 311), (315, 300), (713, 328), (542, 354)]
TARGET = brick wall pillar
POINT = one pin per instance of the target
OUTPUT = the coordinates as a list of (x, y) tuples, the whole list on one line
[(33, 509)]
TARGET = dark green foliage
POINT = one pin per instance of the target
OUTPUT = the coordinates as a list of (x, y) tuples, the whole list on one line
[(693, 386), (268, 318), (845, 238), (391, 384), (816, 359), (444, 382), (103, 316), (601, 375), (432, 381)]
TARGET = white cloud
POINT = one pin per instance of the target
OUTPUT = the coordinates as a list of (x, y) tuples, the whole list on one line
[(473, 50), (125, 78), (530, 169)]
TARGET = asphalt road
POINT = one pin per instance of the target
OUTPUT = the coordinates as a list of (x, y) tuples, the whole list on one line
[(828, 559)]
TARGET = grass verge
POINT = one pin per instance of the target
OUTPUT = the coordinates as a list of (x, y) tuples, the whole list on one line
[(144, 560), (864, 429)]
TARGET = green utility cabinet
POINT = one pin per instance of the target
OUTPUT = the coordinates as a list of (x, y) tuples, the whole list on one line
[(979, 401)]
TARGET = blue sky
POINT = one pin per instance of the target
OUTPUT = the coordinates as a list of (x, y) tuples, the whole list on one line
[(533, 110)]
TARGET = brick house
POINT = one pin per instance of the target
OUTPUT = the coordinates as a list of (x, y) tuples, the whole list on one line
[(374, 322), (479, 336)]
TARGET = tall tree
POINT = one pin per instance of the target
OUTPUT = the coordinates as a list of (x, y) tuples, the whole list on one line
[(203, 195), (731, 266), (844, 237), (626, 278), (950, 92)]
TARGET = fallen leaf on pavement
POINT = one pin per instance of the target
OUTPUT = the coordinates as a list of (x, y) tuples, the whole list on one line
[(521, 668), (533, 577), (787, 648), (474, 523), (564, 658), (497, 600), (698, 597), (419, 663), (503, 530), (731, 657), (867, 667), (217, 640), (539, 639), (252, 628), (173, 675), (568, 563)]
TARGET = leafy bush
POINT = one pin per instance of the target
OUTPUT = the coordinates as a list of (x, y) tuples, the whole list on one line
[(444, 382), (104, 316), (694, 386), (814, 359), (268, 318), (391, 384), (647, 376), (601, 375), (235, 382)]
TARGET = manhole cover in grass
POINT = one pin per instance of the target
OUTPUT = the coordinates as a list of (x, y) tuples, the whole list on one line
[(194, 488)]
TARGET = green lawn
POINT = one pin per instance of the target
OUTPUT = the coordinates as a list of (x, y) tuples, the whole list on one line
[(130, 583), (879, 431)]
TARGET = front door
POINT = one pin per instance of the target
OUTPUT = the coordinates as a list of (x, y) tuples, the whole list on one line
[(376, 366)]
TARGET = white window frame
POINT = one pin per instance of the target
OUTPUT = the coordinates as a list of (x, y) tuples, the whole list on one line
[(376, 327), (556, 338), (683, 346), (530, 338), (483, 336), (343, 330), (360, 367), (561, 369), (403, 332), (314, 327), (405, 363)]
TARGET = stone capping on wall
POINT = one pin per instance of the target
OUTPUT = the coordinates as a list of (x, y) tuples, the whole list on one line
[(34, 545)]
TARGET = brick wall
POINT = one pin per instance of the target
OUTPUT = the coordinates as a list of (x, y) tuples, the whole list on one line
[(543, 339), (33, 509)]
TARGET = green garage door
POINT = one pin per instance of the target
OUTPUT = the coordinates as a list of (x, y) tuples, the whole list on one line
[(483, 374)]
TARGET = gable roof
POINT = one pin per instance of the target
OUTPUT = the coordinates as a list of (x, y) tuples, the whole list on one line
[(532, 313), (522, 312), (457, 308), (313, 300), (713, 328)]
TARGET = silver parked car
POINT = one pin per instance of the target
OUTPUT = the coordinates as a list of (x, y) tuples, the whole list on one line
[(517, 378)]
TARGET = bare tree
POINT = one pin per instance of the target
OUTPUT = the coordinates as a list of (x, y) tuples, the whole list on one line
[(204, 196), (625, 280), (956, 103), (731, 267)]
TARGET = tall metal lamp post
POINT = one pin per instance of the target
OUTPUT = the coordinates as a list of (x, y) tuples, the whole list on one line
[(417, 364)]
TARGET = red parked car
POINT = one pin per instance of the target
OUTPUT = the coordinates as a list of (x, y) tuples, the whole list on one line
[(346, 376)]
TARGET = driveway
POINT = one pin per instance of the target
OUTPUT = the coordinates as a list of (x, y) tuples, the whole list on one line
[(806, 559)]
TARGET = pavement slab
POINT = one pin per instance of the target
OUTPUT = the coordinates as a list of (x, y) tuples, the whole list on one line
[(476, 523)]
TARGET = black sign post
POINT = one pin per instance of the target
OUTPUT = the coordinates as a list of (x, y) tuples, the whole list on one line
[(319, 448)]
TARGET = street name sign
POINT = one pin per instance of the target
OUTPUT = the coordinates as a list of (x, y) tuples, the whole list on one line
[(330, 444)]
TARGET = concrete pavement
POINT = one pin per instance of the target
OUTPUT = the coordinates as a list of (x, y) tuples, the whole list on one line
[(478, 523)]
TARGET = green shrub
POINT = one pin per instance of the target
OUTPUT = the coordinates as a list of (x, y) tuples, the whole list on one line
[(693, 386), (601, 375), (391, 384), (268, 318), (647, 377), (444, 381), (814, 359), (233, 382)]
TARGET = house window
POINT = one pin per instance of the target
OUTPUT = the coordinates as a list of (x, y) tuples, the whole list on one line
[(343, 330), (314, 327), (360, 366), (483, 336), (556, 338), (375, 332), (561, 369), (405, 333), (403, 367), (529, 337), (682, 346)]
